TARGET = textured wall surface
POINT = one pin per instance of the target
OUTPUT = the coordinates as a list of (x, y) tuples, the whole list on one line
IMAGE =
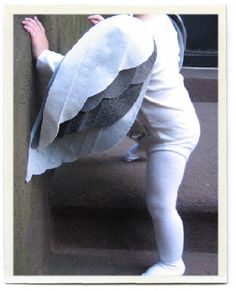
[(31, 220)]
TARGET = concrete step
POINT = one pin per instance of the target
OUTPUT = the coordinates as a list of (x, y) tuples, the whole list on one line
[(98, 242), (124, 229), (99, 221), (93, 262), (107, 182), (202, 83)]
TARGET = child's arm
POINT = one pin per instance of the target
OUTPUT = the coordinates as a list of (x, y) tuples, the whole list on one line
[(37, 33), (39, 41), (47, 61)]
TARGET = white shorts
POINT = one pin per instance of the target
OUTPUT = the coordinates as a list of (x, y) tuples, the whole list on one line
[(183, 145), (179, 134)]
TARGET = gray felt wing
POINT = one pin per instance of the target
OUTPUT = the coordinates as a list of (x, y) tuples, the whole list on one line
[(111, 46), (107, 112), (115, 89), (111, 108), (121, 83), (101, 123), (73, 146)]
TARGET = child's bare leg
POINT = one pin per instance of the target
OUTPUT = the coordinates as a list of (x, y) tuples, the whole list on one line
[(39, 41)]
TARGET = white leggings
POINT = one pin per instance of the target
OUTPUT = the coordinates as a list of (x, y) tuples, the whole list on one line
[(165, 170)]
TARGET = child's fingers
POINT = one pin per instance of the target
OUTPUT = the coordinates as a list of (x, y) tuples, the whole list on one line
[(98, 17), (31, 23), (95, 18), (92, 16), (29, 30), (38, 22), (30, 20), (29, 26), (93, 21)]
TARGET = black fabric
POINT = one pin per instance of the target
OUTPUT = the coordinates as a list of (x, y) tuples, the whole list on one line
[(181, 34), (178, 22)]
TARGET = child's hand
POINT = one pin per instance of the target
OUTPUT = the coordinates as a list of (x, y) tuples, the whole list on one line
[(94, 19), (39, 41)]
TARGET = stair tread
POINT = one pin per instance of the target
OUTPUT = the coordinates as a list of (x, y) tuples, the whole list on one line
[(87, 261)]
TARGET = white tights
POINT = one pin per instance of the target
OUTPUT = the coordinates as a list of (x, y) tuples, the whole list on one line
[(165, 170)]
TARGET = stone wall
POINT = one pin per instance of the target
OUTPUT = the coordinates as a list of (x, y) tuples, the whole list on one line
[(31, 211)]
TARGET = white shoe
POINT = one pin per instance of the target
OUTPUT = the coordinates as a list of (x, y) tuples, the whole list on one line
[(134, 153), (166, 269)]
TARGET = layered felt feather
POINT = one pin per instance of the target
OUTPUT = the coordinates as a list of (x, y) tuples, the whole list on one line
[(95, 95), (111, 46)]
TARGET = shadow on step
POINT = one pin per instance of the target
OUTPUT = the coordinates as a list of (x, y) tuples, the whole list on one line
[(107, 242)]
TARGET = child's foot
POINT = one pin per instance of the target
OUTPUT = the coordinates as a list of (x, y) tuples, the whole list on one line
[(39, 41), (166, 269), (134, 153)]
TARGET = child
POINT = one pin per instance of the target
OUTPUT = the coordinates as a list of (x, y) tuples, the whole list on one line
[(172, 132)]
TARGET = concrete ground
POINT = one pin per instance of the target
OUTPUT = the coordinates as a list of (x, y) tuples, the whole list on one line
[(100, 225), (122, 243)]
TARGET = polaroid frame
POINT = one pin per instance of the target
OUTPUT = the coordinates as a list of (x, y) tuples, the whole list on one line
[(10, 11)]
